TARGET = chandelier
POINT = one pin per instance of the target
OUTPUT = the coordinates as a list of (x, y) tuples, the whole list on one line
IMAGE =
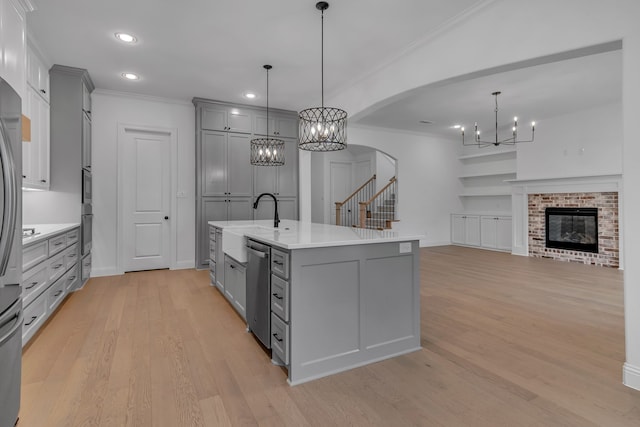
[(267, 151), (323, 128), (511, 140)]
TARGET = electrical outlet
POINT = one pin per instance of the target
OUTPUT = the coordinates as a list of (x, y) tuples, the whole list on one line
[(405, 247)]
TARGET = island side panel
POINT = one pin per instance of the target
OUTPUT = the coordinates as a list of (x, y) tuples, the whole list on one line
[(352, 305)]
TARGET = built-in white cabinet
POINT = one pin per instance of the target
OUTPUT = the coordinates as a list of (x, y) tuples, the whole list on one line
[(36, 152), (50, 272), (483, 231), (465, 229), (37, 74), (13, 45), (495, 232)]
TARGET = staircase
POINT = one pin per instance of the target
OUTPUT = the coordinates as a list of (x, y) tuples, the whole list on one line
[(364, 209)]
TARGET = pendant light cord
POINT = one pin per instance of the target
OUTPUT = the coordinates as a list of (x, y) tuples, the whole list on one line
[(267, 103), (322, 56)]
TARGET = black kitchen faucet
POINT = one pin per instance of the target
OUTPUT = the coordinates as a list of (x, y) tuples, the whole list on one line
[(276, 220)]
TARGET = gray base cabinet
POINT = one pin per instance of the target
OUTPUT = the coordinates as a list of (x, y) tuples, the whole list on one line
[(235, 285), (51, 270), (226, 182)]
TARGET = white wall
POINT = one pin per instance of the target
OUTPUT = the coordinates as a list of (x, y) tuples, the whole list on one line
[(385, 169), (584, 143), (110, 110), (427, 179), (509, 31)]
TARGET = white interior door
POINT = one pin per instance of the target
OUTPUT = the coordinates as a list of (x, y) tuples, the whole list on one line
[(146, 185), (341, 186)]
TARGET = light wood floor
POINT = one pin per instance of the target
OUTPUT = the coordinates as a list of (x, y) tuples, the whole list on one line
[(507, 341)]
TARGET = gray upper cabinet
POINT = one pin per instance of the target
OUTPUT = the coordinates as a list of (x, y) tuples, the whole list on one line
[(226, 119), (279, 125), (222, 160), (86, 141)]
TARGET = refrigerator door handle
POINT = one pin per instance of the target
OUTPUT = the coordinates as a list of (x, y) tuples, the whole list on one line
[(11, 315), (10, 200)]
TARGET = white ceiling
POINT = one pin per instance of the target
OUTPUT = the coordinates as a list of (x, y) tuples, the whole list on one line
[(216, 48)]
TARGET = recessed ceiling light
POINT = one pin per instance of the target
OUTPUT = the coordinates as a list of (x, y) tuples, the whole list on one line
[(250, 95), (131, 76), (127, 38)]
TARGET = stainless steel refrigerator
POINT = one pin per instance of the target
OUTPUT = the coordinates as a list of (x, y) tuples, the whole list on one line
[(10, 254)]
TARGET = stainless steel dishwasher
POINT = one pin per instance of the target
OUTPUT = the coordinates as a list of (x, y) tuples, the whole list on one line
[(259, 291)]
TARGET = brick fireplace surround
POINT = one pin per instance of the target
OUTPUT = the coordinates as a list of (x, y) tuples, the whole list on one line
[(608, 231)]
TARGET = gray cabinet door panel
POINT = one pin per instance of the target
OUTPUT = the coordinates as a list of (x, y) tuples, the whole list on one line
[(287, 127), (260, 125), (214, 209), (288, 173), (214, 163), (287, 209), (265, 179), (214, 119), (239, 169), (240, 209), (239, 120)]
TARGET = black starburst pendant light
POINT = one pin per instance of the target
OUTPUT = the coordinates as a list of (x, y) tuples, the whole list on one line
[(323, 128), (510, 140), (267, 151)]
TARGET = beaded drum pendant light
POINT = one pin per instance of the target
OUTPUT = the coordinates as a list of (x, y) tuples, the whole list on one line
[(323, 128), (267, 151)]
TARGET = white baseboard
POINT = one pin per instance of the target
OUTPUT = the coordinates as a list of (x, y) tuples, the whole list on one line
[(427, 243), (107, 271), (183, 265), (631, 376)]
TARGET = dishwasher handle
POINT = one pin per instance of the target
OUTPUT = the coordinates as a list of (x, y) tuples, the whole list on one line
[(258, 253)]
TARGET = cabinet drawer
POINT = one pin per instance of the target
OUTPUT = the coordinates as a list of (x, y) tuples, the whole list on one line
[(33, 254), (55, 295), (212, 233), (280, 297), (57, 244), (56, 267), (34, 316), (280, 263), (73, 236), (70, 279), (71, 256), (212, 278), (212, 249), (34, 281), (280, 338)]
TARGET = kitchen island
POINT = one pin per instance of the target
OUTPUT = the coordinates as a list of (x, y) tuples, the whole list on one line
[(340, 297)]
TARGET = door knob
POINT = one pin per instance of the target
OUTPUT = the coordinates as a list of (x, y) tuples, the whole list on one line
[(166, 217)]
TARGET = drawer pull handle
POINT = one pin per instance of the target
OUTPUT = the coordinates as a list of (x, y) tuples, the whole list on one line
[(59, 243), (277, 296), (57, 266), (32, 285), (232, 266), (31, 321), (72, 255), (280, 263), (275, 335), (72, 278), (58, 293), (87, 264)]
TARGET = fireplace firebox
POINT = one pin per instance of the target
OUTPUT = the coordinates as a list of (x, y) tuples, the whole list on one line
[(572, 228)]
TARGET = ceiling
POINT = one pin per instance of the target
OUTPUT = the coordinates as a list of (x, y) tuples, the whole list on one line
[(216, 49)]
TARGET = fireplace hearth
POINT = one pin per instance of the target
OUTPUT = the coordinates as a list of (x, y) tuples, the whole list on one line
[(572, 228)]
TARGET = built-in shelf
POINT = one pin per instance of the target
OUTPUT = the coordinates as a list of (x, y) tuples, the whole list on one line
[(485, 174), (486, 192), (487, 154)]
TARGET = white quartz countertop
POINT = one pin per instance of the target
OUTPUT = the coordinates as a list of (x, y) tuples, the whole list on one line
[(298, 235), (44, 231)]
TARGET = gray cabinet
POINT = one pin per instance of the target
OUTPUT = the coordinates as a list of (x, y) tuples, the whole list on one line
[(279, 180), (279, 125), (226, 118), (223, 155), (235, 285), (226, 182), (86, 141)]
